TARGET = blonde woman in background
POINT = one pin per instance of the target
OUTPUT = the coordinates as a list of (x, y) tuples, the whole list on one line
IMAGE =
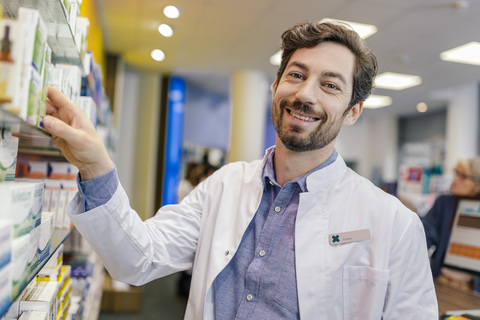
[(466, 183)]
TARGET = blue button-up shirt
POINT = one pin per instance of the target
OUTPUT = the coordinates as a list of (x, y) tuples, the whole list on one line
[(260, 280)]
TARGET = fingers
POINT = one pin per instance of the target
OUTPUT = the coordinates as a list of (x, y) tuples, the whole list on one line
[(60, 129), (58, 102)]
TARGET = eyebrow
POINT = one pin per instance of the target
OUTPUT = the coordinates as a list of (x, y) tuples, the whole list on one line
[(331, 74)]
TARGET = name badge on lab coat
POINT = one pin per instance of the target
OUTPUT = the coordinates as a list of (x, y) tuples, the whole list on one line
[(350, 236)]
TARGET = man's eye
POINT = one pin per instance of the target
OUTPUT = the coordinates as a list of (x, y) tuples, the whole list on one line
[(296, 75), (332, 86)]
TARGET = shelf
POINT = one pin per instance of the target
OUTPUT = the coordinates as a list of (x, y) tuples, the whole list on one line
[(60, 36), (58, 237), (32, 139)]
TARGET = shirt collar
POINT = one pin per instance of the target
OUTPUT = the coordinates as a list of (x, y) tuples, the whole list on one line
[(268, 173)]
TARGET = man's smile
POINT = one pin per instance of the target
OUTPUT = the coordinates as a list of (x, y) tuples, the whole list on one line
[(301, 117)]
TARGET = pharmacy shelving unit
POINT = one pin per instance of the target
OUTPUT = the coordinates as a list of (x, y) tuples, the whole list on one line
[(34, 140), (60, 36)]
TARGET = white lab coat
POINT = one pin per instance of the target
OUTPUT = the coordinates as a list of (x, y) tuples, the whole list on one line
[(387, 276)]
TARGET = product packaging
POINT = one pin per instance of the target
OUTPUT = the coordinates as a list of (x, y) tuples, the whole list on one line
[(10, 41), (6, 238), (33, 315), (72, 81), (5, 288), (40, 296), (62, 170), (89, 107), (81, 34), (33, 63), (55, 77), (21, 202), (44, 235), (20, 256), (8, 156)]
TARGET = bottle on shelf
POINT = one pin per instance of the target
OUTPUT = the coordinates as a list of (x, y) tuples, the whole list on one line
[(6, 66)]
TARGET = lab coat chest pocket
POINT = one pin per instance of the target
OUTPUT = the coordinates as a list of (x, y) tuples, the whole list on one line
[(364, 290)]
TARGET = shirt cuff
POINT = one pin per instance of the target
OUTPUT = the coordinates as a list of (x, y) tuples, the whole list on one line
[(98, 191)]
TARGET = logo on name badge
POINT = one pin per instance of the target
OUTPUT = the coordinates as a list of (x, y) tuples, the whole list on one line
[(349, 236)]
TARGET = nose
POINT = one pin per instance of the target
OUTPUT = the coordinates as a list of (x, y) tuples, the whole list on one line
[(307, 92)]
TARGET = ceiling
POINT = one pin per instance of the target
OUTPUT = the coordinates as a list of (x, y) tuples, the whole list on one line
[(213, 38)]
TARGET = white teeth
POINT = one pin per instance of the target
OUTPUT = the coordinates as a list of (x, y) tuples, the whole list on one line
[(296, 115)]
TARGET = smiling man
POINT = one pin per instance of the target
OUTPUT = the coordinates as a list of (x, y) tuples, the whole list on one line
[(295, 235)]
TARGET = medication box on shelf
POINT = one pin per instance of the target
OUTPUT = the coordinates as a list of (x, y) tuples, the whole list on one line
[(5, 288), (20, 258), (22, 203), (34, 315), (38, 296), (8, 157), (6, 237), (10, 76), (43, 235), (33, 63)]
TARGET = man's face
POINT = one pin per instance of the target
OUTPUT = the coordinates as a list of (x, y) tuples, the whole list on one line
[(311, 97)]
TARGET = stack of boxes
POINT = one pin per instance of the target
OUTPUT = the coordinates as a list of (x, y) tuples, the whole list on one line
[(60, 186), (24, 41), (8, 156), (25, 236), (35, 204), (50, 292), (26, 67)]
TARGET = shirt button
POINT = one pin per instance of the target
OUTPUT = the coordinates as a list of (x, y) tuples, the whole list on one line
[(261, 253), (277, 209), (249, 297), (227, 252)]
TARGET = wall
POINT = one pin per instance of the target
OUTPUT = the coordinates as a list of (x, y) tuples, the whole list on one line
[(207, 118), (137, 141)]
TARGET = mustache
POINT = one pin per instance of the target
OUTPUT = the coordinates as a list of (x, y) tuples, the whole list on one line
[(302, 107)]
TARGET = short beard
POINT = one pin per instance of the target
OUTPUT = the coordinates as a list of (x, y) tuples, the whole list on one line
[(292, 139)]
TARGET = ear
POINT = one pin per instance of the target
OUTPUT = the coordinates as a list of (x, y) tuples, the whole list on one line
[(274, 86), (353, 114)]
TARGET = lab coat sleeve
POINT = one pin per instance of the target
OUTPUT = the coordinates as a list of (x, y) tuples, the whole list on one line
[(411, 292), (134, 251)]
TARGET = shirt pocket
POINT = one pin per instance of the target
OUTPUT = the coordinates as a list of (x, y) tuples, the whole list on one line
[(364, 290)]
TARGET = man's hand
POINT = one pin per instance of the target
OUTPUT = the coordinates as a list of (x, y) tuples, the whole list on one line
[(75, 136)]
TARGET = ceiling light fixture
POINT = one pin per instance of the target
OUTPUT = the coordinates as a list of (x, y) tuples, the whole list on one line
[(171, 12), (468, 53), (158, 55), (165, 30), (376, 101), (422, 107), (363, 30), (396, 81)]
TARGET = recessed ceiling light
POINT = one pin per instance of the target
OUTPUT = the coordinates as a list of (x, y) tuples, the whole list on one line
[(158, 55), (376, 101), (422, 107), (396, 81), (171, 12), (363, 30), (165, 30), (468, 53)]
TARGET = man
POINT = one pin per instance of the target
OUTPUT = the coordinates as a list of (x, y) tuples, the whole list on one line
[(296, 235)]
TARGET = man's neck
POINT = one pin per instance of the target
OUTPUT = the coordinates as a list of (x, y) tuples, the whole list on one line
[(289, 165)]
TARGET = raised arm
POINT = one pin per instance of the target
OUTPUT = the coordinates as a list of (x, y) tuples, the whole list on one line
[(75, 136)]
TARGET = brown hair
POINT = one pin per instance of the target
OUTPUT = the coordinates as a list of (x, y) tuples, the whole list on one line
[(309, 35)]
